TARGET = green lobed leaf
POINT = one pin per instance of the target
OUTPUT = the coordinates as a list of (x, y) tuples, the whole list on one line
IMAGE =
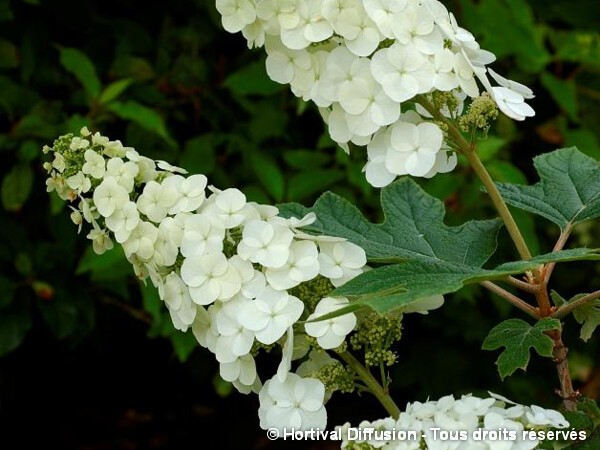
[(413, 227), (16, 187), (568, 192), (395, 286), (518, 337), (78, 63), (436, 259)]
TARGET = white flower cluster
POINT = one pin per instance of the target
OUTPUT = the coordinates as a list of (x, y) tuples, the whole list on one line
[(468, 423), (360, 60), (222, 265)]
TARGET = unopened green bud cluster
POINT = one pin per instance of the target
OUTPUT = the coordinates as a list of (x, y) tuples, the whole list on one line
[(335, 377), (481, 113), (311, 292), (375, 336)]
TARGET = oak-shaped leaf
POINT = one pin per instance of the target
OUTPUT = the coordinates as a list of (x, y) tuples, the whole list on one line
[(518, 338), (412, 229), (568, 192)]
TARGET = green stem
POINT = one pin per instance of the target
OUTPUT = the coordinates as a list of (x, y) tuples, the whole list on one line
[(371, 382), (468, 150), (500, 204)]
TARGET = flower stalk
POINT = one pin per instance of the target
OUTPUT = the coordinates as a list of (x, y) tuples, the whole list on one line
[(380, 393)]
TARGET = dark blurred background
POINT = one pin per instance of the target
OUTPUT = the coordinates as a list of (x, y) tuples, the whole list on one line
[(88, 357)]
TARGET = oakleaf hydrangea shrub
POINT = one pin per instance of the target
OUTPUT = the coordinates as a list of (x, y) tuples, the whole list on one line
[(403, 79)]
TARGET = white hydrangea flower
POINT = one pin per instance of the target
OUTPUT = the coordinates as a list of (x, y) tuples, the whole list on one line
[(519, 88), (94, 165), (361, 34), (201, 235), (147, 167), (283, 64), (58, 162), (415, 28), (236, 14), (164, 165), (204, 328), (79, 183), (123, 221), (243, 369), (166, 246), (385, 14), (191, 192), (229, 207), (210, 277), (124, 172), (341, 261), (294, 403), (100, 240), (235, 338), (253, 281), (270, 314), (311, 27), (265, 243), (176, 296), (511, 103), (302, 265), (402, 71), (541, 416), (155, 200), (141, 241), (414, 148), (110, 196), (78, 143), (330, 333), (375, 169)]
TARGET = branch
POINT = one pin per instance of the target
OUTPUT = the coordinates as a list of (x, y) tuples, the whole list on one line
[(523, 285), (568, 308), (562, 240), (511, 298), (567, 393)]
